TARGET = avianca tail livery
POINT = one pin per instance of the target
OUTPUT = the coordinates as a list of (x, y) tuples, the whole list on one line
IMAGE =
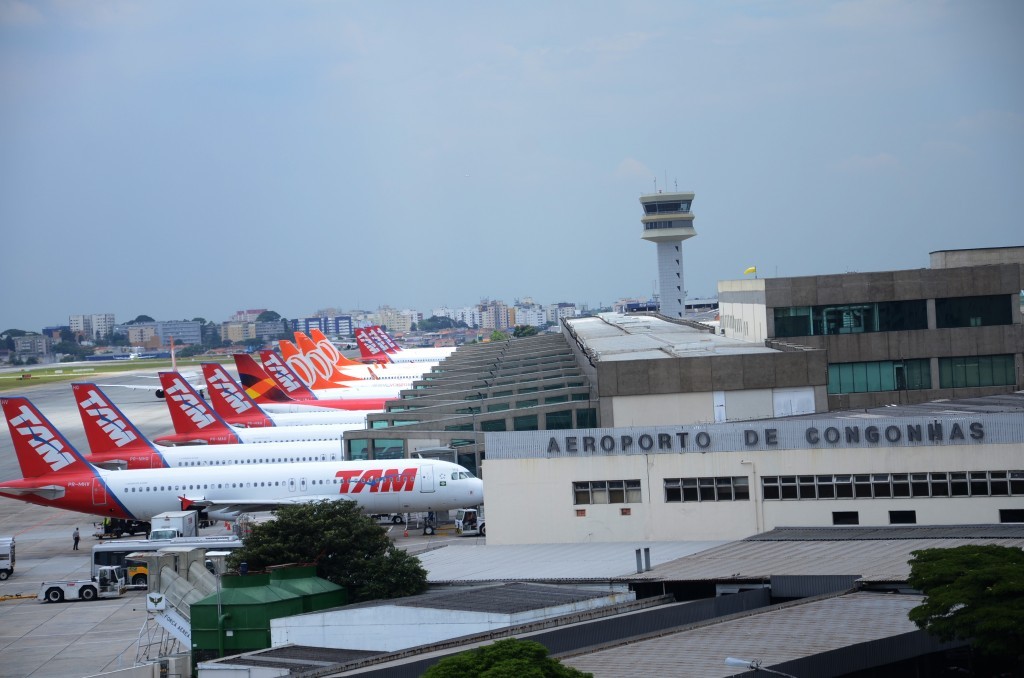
[(290, 383), (55, 474), (297, 398), (234, 405), (116, 443), (196, 423)]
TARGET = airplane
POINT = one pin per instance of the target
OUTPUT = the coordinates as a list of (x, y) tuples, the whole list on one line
[(195, 422), (286, 379), (376, 345), (319, 371), (234, 405), (318, 343), (55, 474), (116, 443), (286, 392)]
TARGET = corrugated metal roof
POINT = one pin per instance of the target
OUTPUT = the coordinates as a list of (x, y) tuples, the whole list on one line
[(873, 559), (615, 336), (773, 636), (503, 598), (548, 562), (850, 532)]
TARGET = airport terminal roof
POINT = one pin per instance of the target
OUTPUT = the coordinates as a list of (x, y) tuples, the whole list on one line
[(618, 336), (475, 563), (872, 554), (774, 635), (1007, 403)]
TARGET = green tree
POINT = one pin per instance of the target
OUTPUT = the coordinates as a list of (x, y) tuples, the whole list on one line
[(141, 319), (509, 658), (347, 547), (972, 593), (436, 323), (498, 335), (268, 316), (524, 331)]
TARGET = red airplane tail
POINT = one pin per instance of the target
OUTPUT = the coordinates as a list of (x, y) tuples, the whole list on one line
[(42, 450), (384, 339), (284, 377), (231, 401), (256, 382), (190, 415), (369, 349), (107, 429)]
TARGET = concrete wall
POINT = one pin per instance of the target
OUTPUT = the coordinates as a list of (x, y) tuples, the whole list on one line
[(531, 500)]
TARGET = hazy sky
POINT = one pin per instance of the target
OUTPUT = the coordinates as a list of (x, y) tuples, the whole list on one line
[(193, 158)]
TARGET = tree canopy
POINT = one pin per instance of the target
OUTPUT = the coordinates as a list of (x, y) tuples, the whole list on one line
[(437, 322), (524, 331), (347, 547), (973, 593), (268, 316), (141, 319), (509, 658)]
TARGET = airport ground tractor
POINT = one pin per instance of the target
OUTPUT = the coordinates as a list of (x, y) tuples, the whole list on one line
[(6, 557), (108, 583), (470, 521)]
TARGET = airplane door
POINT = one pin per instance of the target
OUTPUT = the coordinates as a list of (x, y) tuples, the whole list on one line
[(427, 478), (99, 492)]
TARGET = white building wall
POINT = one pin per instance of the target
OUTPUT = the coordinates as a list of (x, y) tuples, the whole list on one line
[(662, 409), (530, 500)]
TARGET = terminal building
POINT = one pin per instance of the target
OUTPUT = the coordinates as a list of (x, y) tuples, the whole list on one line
[(857, 399)]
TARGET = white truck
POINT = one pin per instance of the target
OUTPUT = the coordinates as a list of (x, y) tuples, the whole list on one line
[(174, 524), (108, 583), (470, 521), (6, 557)]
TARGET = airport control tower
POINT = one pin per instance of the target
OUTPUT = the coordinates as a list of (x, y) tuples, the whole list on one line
[(668, 221)]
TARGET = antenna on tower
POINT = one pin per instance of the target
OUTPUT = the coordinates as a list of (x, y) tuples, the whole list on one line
[(655, 184)]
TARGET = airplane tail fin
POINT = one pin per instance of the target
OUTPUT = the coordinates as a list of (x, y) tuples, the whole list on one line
[(189, 412), (321, 357), (284, 377), (107, 429), (257, 383), (323, 342), (315, 371), (231, 401), (369, 349), (42, 450), (384, 339)]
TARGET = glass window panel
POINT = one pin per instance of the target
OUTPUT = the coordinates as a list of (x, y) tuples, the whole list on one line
[(860, 377), (525, 423), (493, 425), (1016, 483), (998, 484), (874, 376), (741, 488), (770, 487), (724, 488), (886, 376), (846, 378), (633, 495), (586, 417), (945, 373), (707, 488), (958, 485), (833, 379), (979, 483), (558, 420)]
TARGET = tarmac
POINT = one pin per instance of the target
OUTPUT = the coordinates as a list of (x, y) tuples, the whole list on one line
[(76, 639)]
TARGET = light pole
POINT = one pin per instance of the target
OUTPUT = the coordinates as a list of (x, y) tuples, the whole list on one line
[(754, 664)]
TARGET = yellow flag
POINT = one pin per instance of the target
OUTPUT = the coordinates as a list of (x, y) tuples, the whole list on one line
[(752, 269)]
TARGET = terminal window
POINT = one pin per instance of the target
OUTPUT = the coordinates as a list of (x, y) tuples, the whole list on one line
[(606, 492), (895, 485), (856, 318), (978, 311), (976, 370), (721, 488), (879, 375)]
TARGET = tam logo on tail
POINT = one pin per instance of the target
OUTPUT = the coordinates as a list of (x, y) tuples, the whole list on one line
[(97, 407), (219, 380), (193, 407), (284, 377), (42, 439)]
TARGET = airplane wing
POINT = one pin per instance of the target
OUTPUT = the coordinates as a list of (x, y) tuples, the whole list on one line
[(196, 380), (237, 507)]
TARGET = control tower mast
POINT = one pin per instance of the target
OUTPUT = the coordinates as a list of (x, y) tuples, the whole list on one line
[(668, 222)]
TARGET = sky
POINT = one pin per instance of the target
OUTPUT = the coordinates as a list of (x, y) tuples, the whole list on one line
[(190, 158)]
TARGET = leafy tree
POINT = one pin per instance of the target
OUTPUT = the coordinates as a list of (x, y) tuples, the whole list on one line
[(498, 335), (67, 335), (141, 319), (972, 592), (436, 323), (347, 547), (509, 658), (268, 316), (524, 331)]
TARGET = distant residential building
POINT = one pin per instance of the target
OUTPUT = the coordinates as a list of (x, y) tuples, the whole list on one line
[(140, 334), (467, 314), (397, 321), (562, 310), (331, 325), (237, 331), (247, 316), (54, 332), (495, 315), (36, 346), (529, 314), (92, 326)]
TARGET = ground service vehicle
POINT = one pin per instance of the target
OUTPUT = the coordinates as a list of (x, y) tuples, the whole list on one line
[(114, 528), (470, 521), (115, 553), (173, 524), (6, 557), (108, 582)]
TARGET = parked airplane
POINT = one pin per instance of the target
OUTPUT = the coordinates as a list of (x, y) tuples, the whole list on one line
[(376, 345), (319, 371), (195, 422), (286, 393), (116, 443), (284, 376), (55, 474), (231, 402), (319, 344)]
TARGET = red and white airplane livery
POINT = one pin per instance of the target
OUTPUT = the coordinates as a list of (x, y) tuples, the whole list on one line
[(285, 392), (116, 443), (55, 474)]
